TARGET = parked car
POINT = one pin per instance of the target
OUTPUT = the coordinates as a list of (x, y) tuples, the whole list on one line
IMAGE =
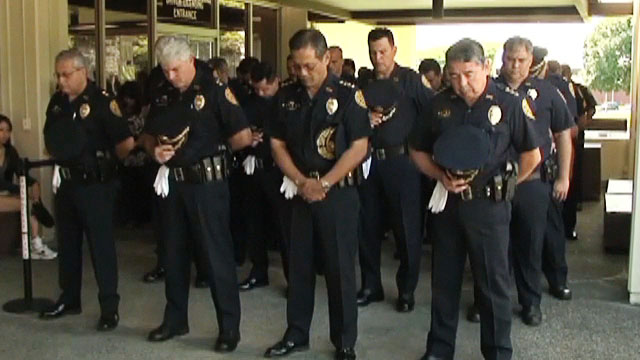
[(610, 105)]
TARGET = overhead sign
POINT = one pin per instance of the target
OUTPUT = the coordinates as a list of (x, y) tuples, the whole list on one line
[(186, 12)]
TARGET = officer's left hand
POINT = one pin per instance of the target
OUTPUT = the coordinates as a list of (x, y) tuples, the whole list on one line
[(256, 138), (560, 189), (312, 190), (375, 118)]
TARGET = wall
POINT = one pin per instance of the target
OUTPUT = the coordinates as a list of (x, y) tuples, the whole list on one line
[(291, 20), (31, 33)]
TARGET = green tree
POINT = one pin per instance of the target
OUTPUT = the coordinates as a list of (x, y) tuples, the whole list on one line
[(607, 58)]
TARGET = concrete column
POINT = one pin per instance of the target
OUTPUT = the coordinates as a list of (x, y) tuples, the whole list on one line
[(32, 32), (291, 20), (634, 252)]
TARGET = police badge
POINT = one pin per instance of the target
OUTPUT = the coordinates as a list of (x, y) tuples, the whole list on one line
[(495, 115), (199, 102), (85, 109), (326, 143), (533, 94), (332, 106)]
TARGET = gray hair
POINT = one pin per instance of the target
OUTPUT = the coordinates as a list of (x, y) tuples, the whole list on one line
[(516, 42), (172, 48), (79, 61), (465, 50)]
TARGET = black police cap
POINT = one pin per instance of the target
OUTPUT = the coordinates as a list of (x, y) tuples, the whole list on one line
[(64, 139), (462, 148), (382, 95)]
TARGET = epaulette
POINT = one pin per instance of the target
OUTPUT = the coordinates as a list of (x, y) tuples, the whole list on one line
[(442, 89), (347, 84)]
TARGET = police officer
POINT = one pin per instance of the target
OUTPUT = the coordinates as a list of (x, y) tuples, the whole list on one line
[(318, 139), (84, 132), (530, 205), (268, 212), (393, 179), (475, 213), (191, 120)]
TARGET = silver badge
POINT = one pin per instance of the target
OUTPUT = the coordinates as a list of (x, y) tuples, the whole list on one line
[(495, 114), (533, 94), (332, 106)]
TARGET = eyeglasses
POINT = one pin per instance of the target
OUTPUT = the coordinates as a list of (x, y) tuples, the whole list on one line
[(65, 75)]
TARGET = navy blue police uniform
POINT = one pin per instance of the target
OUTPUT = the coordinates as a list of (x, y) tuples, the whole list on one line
[(267, 211), (393, 181), (316, 132), (195, 213), (476, 222), (155, 87), (532, 197), (80, 135)]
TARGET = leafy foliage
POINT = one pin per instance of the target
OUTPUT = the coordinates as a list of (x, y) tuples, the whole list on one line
[(607, 59)]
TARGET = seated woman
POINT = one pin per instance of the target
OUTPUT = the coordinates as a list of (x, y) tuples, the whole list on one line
[(10, 192)]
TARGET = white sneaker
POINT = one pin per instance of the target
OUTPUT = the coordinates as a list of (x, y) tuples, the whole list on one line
[(40, 251)]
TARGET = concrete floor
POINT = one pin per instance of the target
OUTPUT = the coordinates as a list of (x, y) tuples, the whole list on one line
[(597, 324)]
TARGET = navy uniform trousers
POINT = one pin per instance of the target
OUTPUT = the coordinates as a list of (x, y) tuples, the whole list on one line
[(268, 212), (87, 209), (554, 262), (197, 215), (528, 224), (480, 228), (332, 224), (394, 184)]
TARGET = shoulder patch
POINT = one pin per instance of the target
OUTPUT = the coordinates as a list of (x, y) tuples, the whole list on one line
[(230, 97), (115, 109), (360, 99), (526, 108)]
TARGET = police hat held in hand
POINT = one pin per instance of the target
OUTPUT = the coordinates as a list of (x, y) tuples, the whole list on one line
[(463, 150), (382, 96)]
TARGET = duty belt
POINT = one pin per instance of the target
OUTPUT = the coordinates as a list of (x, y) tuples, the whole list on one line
[(353, 177), (501, 187), (391, 151), (88, 175), (208, 169), (264, 165)]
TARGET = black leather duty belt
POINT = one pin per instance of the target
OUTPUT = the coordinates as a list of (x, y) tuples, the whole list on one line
[(86, 175), (354, 177), (391, 151), (208, 169)]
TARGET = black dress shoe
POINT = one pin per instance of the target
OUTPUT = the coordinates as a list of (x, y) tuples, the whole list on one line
[(60, 309), (473, 314), (405, 303), (154, 275), (284, 348), (345, 354), (366, 297), (561, 292), (109, 322), (531, 315), (252, 283), (201, 283), (226, 344), (164, 333), (431, 357)]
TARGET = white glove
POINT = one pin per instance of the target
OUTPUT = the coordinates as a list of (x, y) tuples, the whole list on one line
[(161, 185), (288, 188), (438, 198), (366, 167), (249, 165), (56, 180)]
